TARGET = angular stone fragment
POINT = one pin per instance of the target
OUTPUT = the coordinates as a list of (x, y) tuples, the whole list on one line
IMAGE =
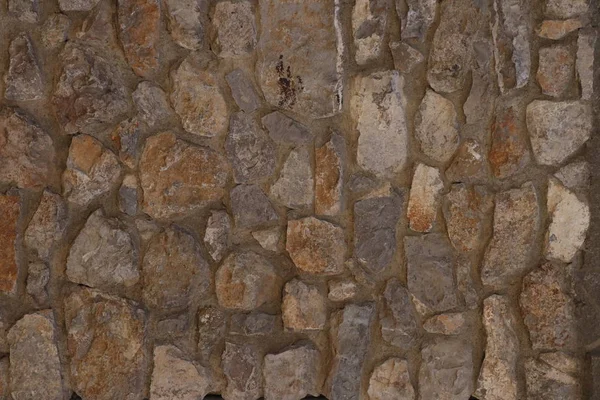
[(350, 336), (242, 366), (47, 223), (105, 343), (243, 91), (186, 22), (129, 195), (479, 106), (390, 381), (10, 206), (556, 70), (24, 78), (216, 235), (92, 171), (24, 10), (152, 104), (575, 177), (424, 198), (246, 281), (436, 127), (316, 246), (398, 318), (451, 52), (509, 152), (178, 178), (430, 268), (126, 138), (77, 5), (292, 374), (139, 21), (406, 58), (304, 307), (446, 370), (200, 106), (342, 290), (378, 109), (283, 129), (329, 176), (469, 164), (251, 207), (369, 23), (254, 324), (249, 149), (269, 239), (34, 362), (289, 74), (175, 330), (102, 256), (236, 28), (446, 324), (546, 382), (557, 29), (548, 308), (557, 129), (467, 213), (566, 8), (295, 186), (54, 30), (569, 222), (586, 43), (38, 276), (516, 223), (91, 93), (212, 324), (360, 183), (174, 271), (421, 14), (498, 378), (175, 378)]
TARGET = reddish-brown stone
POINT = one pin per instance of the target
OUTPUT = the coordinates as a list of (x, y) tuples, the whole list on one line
[(509, 153), (328, 177), (139, 21), (9, 209)]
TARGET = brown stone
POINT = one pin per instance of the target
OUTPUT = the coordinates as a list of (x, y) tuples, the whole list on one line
[(557, 29), (24, 77), (139, 21), (316, 246), (212, 324), (236, 28), (187, 21), (406, 58), (329, 176), (178, 178), (292, 374), (509, 152), (469, 164), (556, 71), (10, 210), (54, 30), (242, 366), (304, 307), (390, 381), (424, 198)]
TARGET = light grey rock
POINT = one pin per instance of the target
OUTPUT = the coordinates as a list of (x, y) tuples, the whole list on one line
[(77, 5), (558, 129), (152, 104), (546, 382), (269, 238), (235, 24), (216, 235), (38, 276), (295, 186), (378, 109), (304, 307), (586, 43), (243, 91), (390, 381), (242, 366), (420, 16), (424, 198), (566, 8), (212, 324), (24, 10), (34, 361), (283, 129), (556, 70), (342, 289), (516, 224), (436, 127), (406, 58), (24, 78), (186, 22), (398, 318), (254, 324), (46, 224), (251, 207), (249, 149), (430, 270), (293, 373), (130, 195), (369, 25)]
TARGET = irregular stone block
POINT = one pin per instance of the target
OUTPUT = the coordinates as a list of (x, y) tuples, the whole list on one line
[(447, 324), (126, 138), (469, 164), (397, 317), (424, 198), (139, 23), (369, 24), (342, 290), (304, 307), (329, 176), (130, 195), (24, 77), (575, 177), (509, 152), (24, 10), (38, 276), (186, 22), (269, 239), (546, 382), (251, 207), (242, 366), (55, 30), (283, 129), (152, 104), (420, 16), (10, 209), (566, 8), (292, 374), (295, 186), (436, 127), (390, 381), (556, 70), (406, 58), (216, 235), (236, 29), (212, 324), (47, 223), (586, 43), (557, 29), (243, 91)]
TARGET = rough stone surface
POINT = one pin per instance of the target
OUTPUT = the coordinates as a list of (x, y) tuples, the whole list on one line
[(236, 28), (406, 58), (546, 382), (47, 222), (556, 70), (369, 23), (10, 208), (575, 177), (292, 374), (316, 246), (139, 23), (284, 129), (586, 42), (420, 16), (54, 31), (304, 307), (424, 198), (566, 8), (398, 317), (242, 365), (436, 127), (127, 137), (38, 276), (243, 91), (254, 324), (77, 5), (390, 381), (186, 24), (295, 186), (509, 153), (447, 324), (24, 77), (269, 238), (211, 331), (24, 10), (216, 235), (129, 195), (151, 104), (557, 29), (329, 176), (178, 178), (342, 290), (469, 164), (251, 207)]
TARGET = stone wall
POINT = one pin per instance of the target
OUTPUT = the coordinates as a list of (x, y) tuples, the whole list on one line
[(367, 199)]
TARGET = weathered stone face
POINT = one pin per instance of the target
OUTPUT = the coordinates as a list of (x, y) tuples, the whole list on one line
[(436, 127), (251, 207), (211, 331), (556, 70), (255, 324), (236, 28), (24, 77), (295, 186), (551, 382), (390, 381), (139, 22), (292, 374), (10, 207), (284, 129), (329, 176), (406, 58), (424, 198), (152, 104), (186, 23), (304, 307), (420, 16), (243, 91), (509, 152), (585, 62), (369, 23), (242, 366), (398, 318), (216, 235), (469, 164)]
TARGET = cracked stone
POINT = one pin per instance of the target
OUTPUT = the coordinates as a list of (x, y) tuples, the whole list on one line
[(509, 152), (48, 221), (558, 129), (105, 344), (342, 290), (92, 171), (130, 195), (236, 29), (398, 318), (424, 198), (390, 381), (243, 90), (293, 373), (55, 30), (249, 149), (38, 276), (558, 29), (186, 22), (546, 382), (269, 239), (126, 138), (139, 23), (24, 78), (304, 307), (585, 62), (10, 209), (420, 16), (469, 164), (566, 8), (24, 10), (77, 5), (251, 207), (516, 223), (316, 246), (103, 256), (378, 109), (329, 176), (216, 235), (242, 366), (174, 271), (245, 281), (212, 324), (283, 129), (152, 104), (290, 76), (406, 58), (556, 70), (178, 178), (295, 186), (254, 324), (436, 127), (447, 324), (369, 23)]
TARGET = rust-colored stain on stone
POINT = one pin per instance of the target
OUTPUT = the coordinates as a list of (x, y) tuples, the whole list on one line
[(327, 179), (140, 22), (508, 153), (9, 209)]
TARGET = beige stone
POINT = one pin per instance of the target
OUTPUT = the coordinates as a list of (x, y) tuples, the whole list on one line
[(304, 307), (390, 381), (424, 198)]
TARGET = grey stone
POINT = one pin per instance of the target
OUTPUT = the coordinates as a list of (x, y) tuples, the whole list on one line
[(430, 268), (212, 324), (295, 186), (103, 256), (398, 318), (77, 5), (406, 58), (546, 382), (436, 127), (375, 221), (152, 105), (420, 16), (424, 199), (127, 137), (290, 75), (283, 129), (251, 207), (304, 307), (38, 276), (378, 109), (55, 30), (556, 70), (129, 195), (516, 224), (558, 129), (24, 77), (390, 381), (216, 235), (360, 183), (566, 8), (369, 25), (176, 330), (34, 361), (351, 337), (293, 373), (235, 24), (24, 10), (242, 366), (254, 324), (575, 177), (243, 91), (186, 22), (249, 149), (586, 42), (479, 106), (269, 238), (446, 369), (46, 224)]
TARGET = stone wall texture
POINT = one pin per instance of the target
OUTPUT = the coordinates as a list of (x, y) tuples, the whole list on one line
[(353, 199)]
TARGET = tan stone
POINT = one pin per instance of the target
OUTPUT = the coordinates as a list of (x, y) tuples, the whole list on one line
[(447, 324), (436, 127), (556, 70), (10, 206), (303, 307), (424, 198), (329, 176), (557, 29), (369, 24), (342, 290), (390, 381), (236, 28), (293, 373), (46, 225)]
